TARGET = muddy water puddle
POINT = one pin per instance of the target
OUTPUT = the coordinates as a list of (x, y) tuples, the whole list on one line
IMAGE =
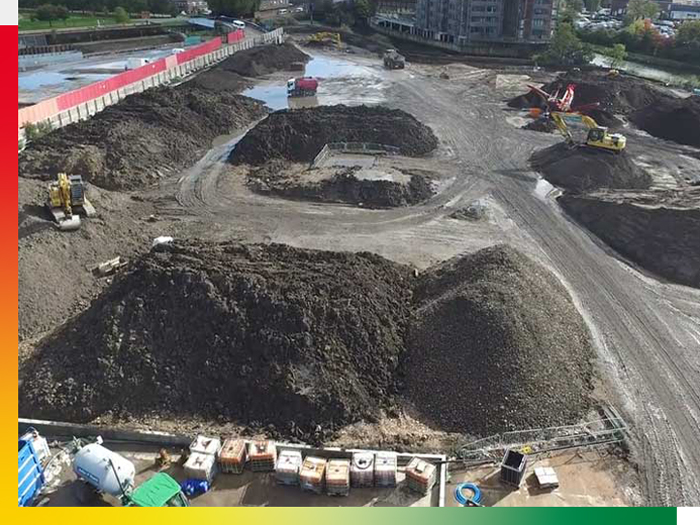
[(340, 82)]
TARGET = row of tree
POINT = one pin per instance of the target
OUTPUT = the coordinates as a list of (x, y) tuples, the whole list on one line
[(101, 6)]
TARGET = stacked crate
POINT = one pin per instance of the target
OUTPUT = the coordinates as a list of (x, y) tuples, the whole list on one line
[(202, 461), (421, 476), (232, 456), (338, 477), (362, 470), (385, 467), (288, 467), (312, 474), (262, 456)]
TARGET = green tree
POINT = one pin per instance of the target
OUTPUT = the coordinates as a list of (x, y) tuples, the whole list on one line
[(47, 13), (121, 16), (640, 9), (569, 10), (363, 8), (689, 33), (617, 53), (233, 7), (565, 49)]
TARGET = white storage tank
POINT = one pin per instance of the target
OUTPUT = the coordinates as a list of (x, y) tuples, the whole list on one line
[(200, 466), (105, 470), (362, 469)]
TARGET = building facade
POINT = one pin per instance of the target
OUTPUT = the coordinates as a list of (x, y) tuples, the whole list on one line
[(463, 21)]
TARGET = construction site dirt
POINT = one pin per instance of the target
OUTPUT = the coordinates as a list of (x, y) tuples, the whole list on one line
[(644, 329)]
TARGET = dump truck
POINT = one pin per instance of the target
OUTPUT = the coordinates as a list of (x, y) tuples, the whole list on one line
[(67, 201), (393, 60), (302, 87)]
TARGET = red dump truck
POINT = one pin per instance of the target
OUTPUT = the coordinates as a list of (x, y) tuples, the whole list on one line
[(302, 87)]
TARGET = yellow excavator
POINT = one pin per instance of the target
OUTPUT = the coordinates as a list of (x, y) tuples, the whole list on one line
[(326, 37), (598, 136), (67, 201)]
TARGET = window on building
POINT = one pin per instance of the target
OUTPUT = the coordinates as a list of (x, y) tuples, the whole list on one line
[(538, 22)]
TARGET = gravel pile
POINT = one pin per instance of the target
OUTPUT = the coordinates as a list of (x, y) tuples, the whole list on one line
[(299, 135), (141, 139), (497, 345), (583, 168), (289, 337)]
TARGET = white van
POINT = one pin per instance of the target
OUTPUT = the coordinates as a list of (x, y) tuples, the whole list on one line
[(238, 24)]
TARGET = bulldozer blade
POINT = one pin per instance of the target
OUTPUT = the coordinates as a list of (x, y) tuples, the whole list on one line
[(69, 224)]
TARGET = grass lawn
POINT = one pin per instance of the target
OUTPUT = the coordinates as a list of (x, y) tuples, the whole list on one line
[(26, 24)]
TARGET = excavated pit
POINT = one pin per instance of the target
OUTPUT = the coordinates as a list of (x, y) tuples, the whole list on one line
[(299, 135), (141, 139)]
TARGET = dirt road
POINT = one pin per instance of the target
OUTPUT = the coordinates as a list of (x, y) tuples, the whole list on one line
[(647, 332)]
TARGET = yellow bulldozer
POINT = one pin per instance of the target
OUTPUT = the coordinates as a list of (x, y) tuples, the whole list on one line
[(598, 136), (67, 201), (325, 37)]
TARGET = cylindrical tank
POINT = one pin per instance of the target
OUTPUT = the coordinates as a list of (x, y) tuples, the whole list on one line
[(100, 467)]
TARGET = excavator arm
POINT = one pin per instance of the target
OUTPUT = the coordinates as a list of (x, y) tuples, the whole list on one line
[(560, 122)]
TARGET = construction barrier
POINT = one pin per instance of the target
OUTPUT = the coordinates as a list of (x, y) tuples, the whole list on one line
[(84, 102)]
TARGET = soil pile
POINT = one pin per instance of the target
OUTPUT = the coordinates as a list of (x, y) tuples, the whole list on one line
[(660, 231), (497, 345), (583, 168), (217, 79), (295, 338), (622, 94), (299, 135), (141, 139), (344, 187), (261, 60), (674, 119)]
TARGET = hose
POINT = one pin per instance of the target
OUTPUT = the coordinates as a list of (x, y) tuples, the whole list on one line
[(462, 499)]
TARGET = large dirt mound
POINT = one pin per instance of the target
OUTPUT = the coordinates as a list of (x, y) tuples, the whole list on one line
[(344, 186), (583, 168), (677, 120), (497, 345), (659, 230), (299, 135), (622, 94), (261, 60), (141, 139), (260, 333)]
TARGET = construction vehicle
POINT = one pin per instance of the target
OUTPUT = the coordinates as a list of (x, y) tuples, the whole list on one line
[(598, 136), (394, 60), (67, 201), (107, 472), (302, 87), (563, 103), (325, 37)]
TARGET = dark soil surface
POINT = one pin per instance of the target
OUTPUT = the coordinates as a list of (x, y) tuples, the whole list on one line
[(497, 345), (142, 139), (289, 337), (674, 119), (217, 79), (343, 187), (660, 231), (301, 342), (622, 95), (299, 135), (583, 168), (261, 60)]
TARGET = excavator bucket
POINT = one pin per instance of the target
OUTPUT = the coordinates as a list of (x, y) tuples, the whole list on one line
[(71, 224)]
